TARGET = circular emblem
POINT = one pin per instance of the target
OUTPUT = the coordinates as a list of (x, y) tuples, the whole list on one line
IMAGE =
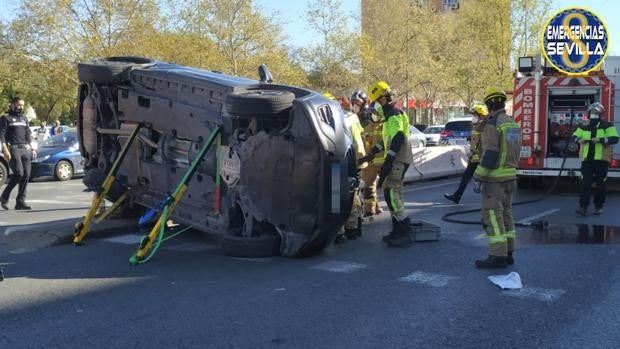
[(575, 41)]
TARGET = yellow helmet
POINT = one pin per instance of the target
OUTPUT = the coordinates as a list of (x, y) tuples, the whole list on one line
[(329, 96), (480, 109), (494, 94), (378, 89)]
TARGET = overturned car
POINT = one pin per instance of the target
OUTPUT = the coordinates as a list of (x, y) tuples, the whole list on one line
[(277, 180)]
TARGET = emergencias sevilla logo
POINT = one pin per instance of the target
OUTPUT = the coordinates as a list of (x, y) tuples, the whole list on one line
[(575, 41)]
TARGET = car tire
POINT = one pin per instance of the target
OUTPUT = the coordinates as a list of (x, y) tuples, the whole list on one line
[(63, 170), (4, 173), (251, 247), (112, 69), (259, 101)]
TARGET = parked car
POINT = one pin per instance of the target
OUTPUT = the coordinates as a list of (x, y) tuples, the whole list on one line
[(432, 134), (456, 132), (279, 177), (59, 157), (420, 127), (416, 138)]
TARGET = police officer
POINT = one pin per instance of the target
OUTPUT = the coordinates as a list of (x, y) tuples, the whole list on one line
[(495, 178), (373, 144), (397, 158), (479, 113), (15, 138), (596, 139)]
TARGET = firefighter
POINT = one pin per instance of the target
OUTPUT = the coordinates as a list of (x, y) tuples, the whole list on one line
[(596, 148), (353, 225), (495, 178), (398, 157), (373, 143), (479, 113)]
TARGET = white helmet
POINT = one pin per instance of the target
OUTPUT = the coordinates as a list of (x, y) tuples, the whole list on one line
[(596, 107)]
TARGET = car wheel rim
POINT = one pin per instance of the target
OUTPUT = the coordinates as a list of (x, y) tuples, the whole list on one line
[(64, 171)]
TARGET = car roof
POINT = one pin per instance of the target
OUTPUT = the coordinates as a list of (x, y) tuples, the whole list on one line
[(465, 118)]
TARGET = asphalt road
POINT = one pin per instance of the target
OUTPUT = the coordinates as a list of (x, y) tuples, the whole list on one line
[(359, 295)]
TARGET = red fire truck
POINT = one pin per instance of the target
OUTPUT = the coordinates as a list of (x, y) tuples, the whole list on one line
[(549, 105)]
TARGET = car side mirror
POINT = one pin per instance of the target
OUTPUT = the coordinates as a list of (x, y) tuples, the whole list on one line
[(264, 74)]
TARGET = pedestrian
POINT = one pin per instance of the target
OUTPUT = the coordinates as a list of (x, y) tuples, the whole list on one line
[(478, 113), (397, 158), (495, 178), (353, 225), (56, 128), (43, 132), (17, 150), (372, 137), (596, 140)]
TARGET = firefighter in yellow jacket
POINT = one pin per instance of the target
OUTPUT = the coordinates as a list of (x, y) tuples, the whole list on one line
[(373, 143), (398, 157), (478, 113), (495, 178)]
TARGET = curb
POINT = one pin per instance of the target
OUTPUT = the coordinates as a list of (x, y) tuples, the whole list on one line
[(30, 237)]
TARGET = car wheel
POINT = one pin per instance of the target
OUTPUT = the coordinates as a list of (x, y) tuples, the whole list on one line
[(251, 247), (253, 102), (111, 70), (63, 171), (4, 173)]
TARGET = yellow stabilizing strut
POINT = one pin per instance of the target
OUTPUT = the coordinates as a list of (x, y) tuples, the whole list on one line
[(82, 228), (169, 203)]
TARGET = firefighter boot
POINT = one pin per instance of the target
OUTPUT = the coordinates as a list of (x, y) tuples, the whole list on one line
[(510, 259), (492, 262), (456, 197), (582, 211), (392, 233), (403, 237), (340, 239)]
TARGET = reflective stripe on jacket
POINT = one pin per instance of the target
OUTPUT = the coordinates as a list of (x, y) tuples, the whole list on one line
[(397, 121), (500, 145), (352, 123)]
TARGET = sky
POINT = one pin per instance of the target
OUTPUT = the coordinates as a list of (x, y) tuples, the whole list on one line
[(291, 15)]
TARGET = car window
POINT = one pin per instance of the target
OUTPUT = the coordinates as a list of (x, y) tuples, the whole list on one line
[(414, 130), (433, 130), (458, 126), (65, 138)]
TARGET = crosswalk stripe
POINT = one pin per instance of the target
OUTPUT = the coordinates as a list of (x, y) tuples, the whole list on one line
[(423, 278)]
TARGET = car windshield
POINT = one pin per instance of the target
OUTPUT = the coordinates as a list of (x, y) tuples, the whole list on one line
[(63, 139), (458, 126), (433, 130)]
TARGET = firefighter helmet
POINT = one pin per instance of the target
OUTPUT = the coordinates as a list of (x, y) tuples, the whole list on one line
[(360, 96), (596, 107), (494, 94), (378, 90), (480, 109)]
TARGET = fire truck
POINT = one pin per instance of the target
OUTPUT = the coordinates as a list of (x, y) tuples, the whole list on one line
[(549, 106)]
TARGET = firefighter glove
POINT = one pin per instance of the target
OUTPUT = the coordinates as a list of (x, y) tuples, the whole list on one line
[(477, 186)]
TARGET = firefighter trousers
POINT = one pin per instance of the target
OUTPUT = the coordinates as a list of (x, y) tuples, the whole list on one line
[(593, 172), (497, 216), (392, 190), (369, 175)]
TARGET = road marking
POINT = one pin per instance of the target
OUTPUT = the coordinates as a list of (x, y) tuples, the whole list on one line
[(336, 266), (423, 278), (541, 294), (58, 202), (430, 186), (130, 239), (480, 236), (536, 216)]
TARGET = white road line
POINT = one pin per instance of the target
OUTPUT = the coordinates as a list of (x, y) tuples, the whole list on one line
[(541, 294), (430, 186), (339, 266), (536, 216), (57, 202), (130, 239), (423, 278)]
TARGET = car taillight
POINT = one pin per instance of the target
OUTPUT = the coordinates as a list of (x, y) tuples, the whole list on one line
[(615, 163), (445, 133)]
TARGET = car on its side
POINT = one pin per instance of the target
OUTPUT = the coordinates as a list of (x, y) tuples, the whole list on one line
[(432, 134), (457, 131), (416, 138), (59, 157)]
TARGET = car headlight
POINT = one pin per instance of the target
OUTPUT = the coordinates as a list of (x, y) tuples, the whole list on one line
[(42, 158)]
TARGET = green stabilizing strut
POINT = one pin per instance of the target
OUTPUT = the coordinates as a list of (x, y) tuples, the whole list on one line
[(156, 236)]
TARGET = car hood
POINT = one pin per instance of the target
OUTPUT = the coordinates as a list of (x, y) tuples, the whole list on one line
[(45, 151)]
